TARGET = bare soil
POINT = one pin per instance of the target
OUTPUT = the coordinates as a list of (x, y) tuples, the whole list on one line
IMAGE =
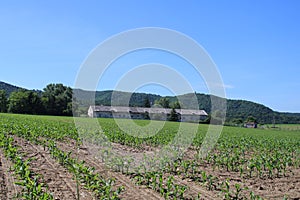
[(62, 185), (8, 190), (131, 191), (267, 188)]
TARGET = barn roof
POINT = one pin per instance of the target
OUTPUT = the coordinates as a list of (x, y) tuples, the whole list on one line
[(125, 109)]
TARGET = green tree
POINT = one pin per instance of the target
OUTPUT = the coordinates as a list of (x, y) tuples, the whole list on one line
[(251, 119), (237, 121), (3, 101), (163, 102), (173, 116), (35, 103), (25, 102), (147, 102), (175, 105), (57, 99)]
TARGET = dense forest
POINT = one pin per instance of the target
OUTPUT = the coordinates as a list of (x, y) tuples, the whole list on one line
[(56, 99)]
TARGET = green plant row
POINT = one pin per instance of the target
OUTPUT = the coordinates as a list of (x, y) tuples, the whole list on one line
[(33, 188), (85, 175), (166, 187), (189, 169), (252, 153), (44, 133), (264, 158)]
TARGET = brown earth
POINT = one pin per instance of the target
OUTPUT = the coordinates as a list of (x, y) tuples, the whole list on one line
[(60, 182), (267, 188), (8, 190), (62, 185), (131, 191)]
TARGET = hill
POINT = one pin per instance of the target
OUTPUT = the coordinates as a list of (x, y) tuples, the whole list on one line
[(237, 110), (8, 88), (104, 98)]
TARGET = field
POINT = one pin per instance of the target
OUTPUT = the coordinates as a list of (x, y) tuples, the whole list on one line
[(286, 127), (44, 157)]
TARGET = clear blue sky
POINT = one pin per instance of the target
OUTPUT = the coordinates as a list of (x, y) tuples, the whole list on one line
[(255, 44)]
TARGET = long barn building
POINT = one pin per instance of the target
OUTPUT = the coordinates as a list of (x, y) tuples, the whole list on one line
[(184, 115)]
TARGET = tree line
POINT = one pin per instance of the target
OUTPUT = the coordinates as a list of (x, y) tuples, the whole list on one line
[(55, 99)]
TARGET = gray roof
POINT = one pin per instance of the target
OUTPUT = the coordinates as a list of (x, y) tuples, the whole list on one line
[(191, 112), (124, 109)]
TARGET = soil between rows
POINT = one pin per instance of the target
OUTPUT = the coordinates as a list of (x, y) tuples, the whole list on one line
[(62, 185), (8, 190), (131, 191), (267, 188)]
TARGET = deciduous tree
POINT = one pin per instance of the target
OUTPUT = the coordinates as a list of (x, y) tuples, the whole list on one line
[(57, 99), (3, 101), (173, 115), (163, 102), (25, 102), (147, 102)]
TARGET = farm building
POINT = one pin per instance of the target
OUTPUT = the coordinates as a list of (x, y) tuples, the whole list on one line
[(184, 115), (250, 125)]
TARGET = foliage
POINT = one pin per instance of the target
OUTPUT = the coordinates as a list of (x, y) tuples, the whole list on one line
[(251, 119), (57, 99), (173, 116), (175, 105), (163, 102), (8, 88), (236, 109), (3, 101), (25, 102), (147, 103)]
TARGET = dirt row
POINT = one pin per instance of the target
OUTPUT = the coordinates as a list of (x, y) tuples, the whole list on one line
[(268, 188), (275, 188), (8, 190), (62, 185), (60, 182), (131, 191)]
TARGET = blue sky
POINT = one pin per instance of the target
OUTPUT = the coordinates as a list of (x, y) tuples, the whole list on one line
[(255, 44)]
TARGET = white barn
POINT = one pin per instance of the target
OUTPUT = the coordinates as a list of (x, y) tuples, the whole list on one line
[(184, 115)]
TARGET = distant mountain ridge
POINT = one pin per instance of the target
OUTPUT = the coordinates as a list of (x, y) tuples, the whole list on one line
[(236, 109), (8, 88)]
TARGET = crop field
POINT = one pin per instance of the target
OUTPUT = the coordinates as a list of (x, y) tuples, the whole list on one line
[(43, 157), (286, 127)]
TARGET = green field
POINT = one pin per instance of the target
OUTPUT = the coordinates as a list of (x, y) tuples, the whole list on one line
[(284, 127), (244, 164)]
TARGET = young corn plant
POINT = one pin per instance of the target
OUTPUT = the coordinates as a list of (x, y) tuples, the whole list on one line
[(33, 188)]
